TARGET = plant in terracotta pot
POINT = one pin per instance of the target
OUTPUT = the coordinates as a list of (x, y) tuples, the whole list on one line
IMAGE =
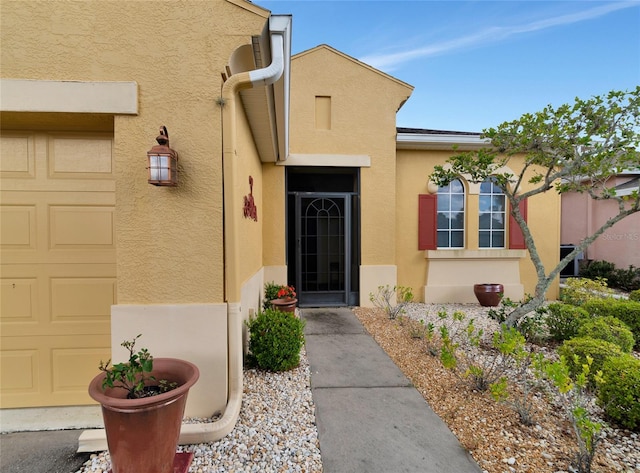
[(286, 299), (143, 403)]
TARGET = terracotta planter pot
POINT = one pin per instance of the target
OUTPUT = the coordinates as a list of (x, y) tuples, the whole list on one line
[(142, 434), (284, 305), (488, 294)]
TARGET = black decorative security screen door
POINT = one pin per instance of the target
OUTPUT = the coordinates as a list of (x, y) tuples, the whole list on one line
[(323, 223)]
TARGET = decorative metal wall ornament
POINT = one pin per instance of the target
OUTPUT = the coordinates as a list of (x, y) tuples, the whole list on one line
[(250, 210)]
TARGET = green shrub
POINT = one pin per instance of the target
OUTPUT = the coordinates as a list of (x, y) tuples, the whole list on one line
[(619, 393), (599, 350), (625, 310), (564, 320), (625, 279), (276, 339), (270, 292), (598, 270), (635, 295), (608, 329), (578, 291)]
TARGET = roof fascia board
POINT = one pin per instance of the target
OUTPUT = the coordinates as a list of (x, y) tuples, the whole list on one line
[(252, 7), (440, 142), (356, 61)]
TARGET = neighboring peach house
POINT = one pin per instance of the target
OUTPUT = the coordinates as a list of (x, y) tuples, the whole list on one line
[(291, 169), (582, 216)]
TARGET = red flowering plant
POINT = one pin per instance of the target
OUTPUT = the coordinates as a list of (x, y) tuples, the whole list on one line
[(287, 293)]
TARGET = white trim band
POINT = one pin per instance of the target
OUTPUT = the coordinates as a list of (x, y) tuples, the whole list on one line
[(23, 95)]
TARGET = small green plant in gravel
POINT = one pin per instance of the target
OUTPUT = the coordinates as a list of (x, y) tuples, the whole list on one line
[(461, 352), (392, 299), (572, 390), (275, 341), (526, 375)]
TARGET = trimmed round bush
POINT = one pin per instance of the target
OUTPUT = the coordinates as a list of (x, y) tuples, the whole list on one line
[(564, 320), (625, 310), (608, 329), (619, 394), (276, 339), (635, 295), (599, 350)]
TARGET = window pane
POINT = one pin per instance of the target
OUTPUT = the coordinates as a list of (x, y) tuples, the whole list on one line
[(443, 221), (485, 187), (457, 220), (443, 202), (443, 239), (497, 239), (498, 221), (485, 221), (457, 203), (456, 187), (497, 204), (484, 239), (484, 203), (457, 239)]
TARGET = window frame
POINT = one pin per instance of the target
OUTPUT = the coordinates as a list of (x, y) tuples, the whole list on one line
[(449, 230), (491, 231)]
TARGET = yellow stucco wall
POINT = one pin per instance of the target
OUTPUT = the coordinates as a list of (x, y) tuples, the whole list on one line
[(169, 241), (414, 168), (363, 106)]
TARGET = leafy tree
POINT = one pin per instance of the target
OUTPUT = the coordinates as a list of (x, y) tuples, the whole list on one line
[(572, 148)]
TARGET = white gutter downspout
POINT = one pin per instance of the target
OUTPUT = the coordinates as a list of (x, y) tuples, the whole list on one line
[(202, 433)]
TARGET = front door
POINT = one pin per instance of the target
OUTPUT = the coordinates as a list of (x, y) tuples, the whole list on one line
[(323, 250), (323, 235)]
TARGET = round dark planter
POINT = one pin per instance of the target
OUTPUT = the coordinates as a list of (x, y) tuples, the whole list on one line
[(284, 305), (142, 434), (488, 294)]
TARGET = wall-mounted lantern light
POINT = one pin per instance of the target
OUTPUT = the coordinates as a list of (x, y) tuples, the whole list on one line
[(163, 162)]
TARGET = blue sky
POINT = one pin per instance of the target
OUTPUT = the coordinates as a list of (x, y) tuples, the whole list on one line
[(476, 64)]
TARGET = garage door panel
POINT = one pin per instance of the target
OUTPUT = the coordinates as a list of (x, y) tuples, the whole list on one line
[(18, 227), (81, 227), (57, 299), (17, 157), (53, 227), (57, 162), (76, 157), (51, 370), (19, 304), (19, 371), (79, 300)]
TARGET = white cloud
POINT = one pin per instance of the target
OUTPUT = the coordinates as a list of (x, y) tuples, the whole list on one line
[(389, 62)]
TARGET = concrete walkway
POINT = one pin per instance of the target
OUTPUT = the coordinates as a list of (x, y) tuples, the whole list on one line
[(370, 418)]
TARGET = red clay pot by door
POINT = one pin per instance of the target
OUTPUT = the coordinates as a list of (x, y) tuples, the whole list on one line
[(142, 434), (488, 294), (284, 305)]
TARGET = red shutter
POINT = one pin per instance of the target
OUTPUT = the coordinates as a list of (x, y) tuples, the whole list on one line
[(516, 238), (427, 221)]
